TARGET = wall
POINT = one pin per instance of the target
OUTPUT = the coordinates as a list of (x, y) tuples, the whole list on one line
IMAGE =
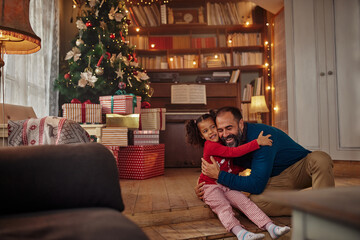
[(280, 119)]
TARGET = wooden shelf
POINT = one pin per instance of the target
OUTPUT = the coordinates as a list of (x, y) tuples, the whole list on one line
[(170, 29), (250, 68)]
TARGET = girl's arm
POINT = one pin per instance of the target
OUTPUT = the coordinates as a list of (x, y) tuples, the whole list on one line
[(217, 149)]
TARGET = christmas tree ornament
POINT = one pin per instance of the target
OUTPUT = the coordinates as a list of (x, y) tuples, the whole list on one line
[(112, 36), (79, 42), (122, 85), (150, 92), (143, 76), (88, 68), (74, 53), (129, 81), (67, 76), (80, 25), (99, 71), (82, 82), (119, 73), (147, 86), (89, 77), (128, 21), (88, 24), (135, 73), (119, 17)]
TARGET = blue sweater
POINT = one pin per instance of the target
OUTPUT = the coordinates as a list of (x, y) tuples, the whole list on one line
[(268, 161)]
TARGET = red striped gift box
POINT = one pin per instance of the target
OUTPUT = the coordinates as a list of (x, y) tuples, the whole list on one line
[(114, 136), (72, 111), (122, 104), (141, 162), (152, 119), (93, 113)]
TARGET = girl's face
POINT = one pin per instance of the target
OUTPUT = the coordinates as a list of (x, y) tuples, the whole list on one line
[(208, 130)]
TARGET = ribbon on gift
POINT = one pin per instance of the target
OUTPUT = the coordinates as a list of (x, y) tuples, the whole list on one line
[(83, 113), (123, 92)]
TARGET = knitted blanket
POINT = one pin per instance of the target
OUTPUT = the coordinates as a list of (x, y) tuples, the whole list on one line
[(47, 130)]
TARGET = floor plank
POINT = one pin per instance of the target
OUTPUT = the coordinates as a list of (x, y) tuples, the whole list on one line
[(166, 207)]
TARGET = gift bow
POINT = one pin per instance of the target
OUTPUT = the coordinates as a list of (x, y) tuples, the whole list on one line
[(123, 92), (83, 114)]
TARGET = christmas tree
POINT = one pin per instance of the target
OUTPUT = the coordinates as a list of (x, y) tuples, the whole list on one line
[(101, 62)]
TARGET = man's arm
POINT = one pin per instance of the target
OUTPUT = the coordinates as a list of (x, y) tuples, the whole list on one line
[(261, 168)]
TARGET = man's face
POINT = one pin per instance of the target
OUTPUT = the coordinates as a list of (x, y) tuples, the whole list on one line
[(228, 129)]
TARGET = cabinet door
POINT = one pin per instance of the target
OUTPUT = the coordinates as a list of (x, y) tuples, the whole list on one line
[(322, 38), (343, 70)]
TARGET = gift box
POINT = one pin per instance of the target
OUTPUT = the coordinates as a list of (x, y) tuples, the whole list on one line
[(143, 137), (152, 119), (141, 162), (114, 136), (120, 104), (130, 121), (82, 113)]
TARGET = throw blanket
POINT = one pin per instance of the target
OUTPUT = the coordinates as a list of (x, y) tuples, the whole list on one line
[(47, 130)]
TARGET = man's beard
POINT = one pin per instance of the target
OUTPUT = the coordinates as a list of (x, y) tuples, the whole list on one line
[(237, 139)]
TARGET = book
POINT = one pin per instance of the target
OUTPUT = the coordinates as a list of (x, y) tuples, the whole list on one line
[(188, 94), (163, 14), (234, 76)]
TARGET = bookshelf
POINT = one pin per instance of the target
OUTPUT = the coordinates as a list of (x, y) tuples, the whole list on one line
[(201, 47)]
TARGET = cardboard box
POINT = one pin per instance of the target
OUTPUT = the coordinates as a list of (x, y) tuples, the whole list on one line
[(114, 136)]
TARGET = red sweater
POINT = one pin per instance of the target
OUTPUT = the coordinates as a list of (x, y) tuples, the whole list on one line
[(222, 155)]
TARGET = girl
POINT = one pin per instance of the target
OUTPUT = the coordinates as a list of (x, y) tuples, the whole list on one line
[(203, 132)]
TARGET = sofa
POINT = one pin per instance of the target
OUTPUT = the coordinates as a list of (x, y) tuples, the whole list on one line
[(68, 191)]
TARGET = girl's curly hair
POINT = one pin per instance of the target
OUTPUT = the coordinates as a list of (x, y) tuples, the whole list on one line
[(193, 135)]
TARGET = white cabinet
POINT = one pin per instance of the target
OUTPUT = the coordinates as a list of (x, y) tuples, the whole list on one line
[(323, 75)]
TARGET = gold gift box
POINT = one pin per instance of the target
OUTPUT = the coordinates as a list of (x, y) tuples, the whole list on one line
[(130, 121)]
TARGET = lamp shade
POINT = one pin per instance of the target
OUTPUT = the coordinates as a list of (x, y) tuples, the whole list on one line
[(16, 34), (258, 104)]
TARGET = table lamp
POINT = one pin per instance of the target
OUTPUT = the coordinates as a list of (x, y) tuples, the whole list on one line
[(258, 106)]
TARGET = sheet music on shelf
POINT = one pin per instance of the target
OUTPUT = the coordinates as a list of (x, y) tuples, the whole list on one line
[(188, 94)]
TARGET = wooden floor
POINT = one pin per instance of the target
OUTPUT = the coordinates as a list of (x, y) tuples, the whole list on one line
[(166, 207)]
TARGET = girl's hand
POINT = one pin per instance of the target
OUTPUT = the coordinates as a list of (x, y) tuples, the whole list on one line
[(264, 140)]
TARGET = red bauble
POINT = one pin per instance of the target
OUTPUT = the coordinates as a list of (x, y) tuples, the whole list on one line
[(112, 36), (130, 57), (135, 73), (122, 85), (128, 22), (67, 76), (145, 105), (88, 24)]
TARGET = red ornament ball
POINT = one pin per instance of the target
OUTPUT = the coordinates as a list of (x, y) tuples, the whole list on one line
[(128, 22), (67, 76), (112, 36), (135, 73), (122, 85), (88, 24), (130, 57)]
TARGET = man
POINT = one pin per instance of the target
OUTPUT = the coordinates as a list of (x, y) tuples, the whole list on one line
[(283, 166)]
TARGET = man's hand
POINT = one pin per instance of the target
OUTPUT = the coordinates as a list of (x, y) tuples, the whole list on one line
[(210, 169), (199, 191)]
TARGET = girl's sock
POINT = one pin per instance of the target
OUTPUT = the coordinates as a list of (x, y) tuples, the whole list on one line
[(242, 234), (276, 231)]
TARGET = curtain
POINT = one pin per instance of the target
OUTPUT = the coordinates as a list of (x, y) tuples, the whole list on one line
[(29, 78)]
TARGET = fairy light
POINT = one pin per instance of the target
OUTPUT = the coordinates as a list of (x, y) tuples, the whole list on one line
[(171, 59), (268, 88), (194, 62), (216, 56), (137, 29), (266, 43), (276, 108), (152, 45), (266, 64), (74, 6)]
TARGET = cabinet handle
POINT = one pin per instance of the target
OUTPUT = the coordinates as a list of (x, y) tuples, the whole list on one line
[(330, 72), (322, 74)]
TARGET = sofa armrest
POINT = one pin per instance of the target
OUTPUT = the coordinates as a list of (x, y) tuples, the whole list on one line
[(50, 177)]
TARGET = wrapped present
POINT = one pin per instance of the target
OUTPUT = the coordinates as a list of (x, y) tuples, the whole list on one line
[(130, 121), (85, 112), (114, 136), (152, 119), (72, 111), (141, 162), (143, 137), (120, 104)]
